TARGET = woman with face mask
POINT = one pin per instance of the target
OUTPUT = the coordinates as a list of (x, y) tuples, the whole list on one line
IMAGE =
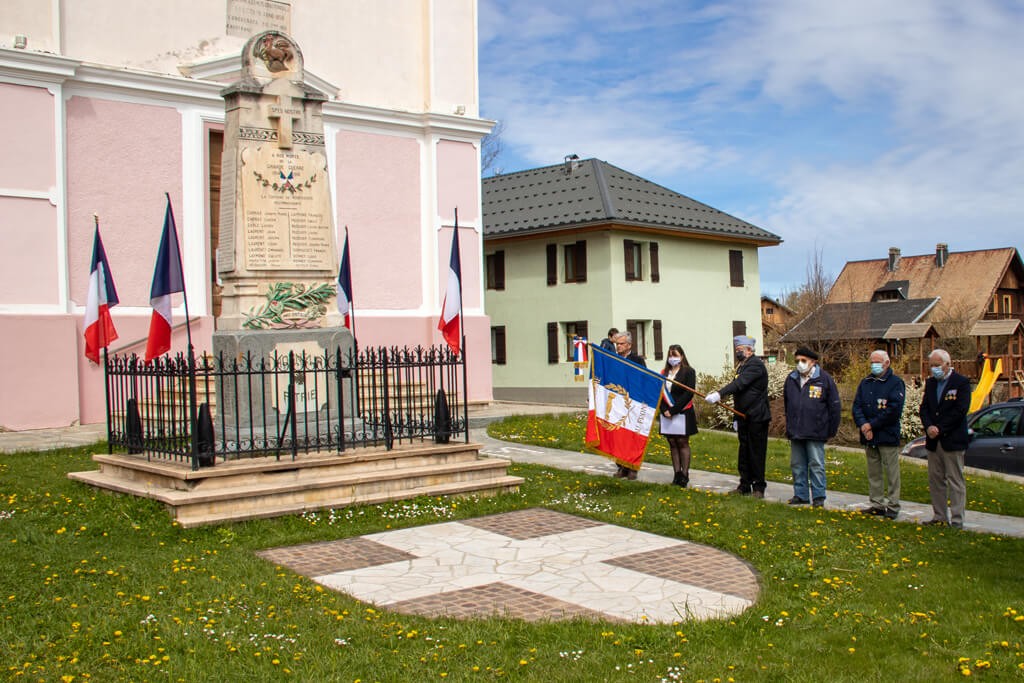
[(678, 419)]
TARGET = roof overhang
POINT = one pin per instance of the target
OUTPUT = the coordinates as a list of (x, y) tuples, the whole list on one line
[(995, 328)]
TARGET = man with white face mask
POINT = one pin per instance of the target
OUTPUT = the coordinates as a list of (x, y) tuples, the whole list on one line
[(877, 410), (944, 407), (813, 411)]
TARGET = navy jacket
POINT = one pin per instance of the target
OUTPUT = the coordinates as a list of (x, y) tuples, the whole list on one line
[(948, 412), (751, 390), (813, 411), (879, 402)]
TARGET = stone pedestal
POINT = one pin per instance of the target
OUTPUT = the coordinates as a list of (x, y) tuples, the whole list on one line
[(275, 366)]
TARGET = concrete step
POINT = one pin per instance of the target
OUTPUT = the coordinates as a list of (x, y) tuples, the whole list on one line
[(505, 484), (266, 487)]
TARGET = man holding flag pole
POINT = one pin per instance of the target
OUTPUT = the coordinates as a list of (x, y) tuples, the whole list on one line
[(623, 401)]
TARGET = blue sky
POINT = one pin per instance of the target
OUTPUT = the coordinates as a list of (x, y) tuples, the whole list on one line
[(843, 127)]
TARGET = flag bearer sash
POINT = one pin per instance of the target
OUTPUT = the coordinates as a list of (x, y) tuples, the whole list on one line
[(622, 405)]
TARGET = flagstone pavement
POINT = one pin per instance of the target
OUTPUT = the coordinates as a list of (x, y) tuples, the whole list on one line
[(538, 564)]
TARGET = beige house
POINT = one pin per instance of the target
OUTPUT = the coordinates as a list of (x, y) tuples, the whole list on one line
[(583, 246), (912, 304)]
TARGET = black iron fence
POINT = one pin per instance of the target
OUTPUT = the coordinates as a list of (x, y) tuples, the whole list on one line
[(208, 409)]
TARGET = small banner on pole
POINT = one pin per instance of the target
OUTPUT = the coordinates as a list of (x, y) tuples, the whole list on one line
[(581, 358)]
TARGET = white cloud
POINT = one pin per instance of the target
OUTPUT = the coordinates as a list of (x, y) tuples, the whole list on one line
[(856, 126)]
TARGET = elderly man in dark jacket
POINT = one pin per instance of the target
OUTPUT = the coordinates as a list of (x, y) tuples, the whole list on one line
[(751, 390), (877, 410), (944, 407), (813, 412)]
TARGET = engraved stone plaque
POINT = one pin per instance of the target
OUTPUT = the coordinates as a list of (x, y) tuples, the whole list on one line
[(287, 210), (248, 17)]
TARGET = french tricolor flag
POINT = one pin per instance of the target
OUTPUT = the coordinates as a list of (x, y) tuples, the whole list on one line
[(623, 402), (168, 278), (450, 323), (99, 327), (344, 285)]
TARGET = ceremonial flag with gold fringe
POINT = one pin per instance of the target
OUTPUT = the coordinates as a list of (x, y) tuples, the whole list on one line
[(622, 405)]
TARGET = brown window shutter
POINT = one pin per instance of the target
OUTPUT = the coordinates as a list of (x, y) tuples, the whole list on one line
[(552, 342), (499, 345), (581, 261), (499, 271), (735, 268), (739, 327), (655, 274), (658, 352), (582, 329), (552, 264), (627, 257), (632, 328)]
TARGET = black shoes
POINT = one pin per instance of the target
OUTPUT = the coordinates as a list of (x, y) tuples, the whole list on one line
[(740, 491), (798, 501), (681, 479), (818, 503)]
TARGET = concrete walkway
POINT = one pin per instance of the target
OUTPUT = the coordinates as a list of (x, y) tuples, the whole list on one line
[(479, 417)]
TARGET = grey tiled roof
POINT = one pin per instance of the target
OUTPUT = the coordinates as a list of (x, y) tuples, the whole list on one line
[(858, 320), (548, 198)]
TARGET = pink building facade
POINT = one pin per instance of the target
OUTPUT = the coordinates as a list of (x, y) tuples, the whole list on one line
[(89, 138)]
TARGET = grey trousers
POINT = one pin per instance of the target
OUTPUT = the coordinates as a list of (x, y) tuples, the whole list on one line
[(883, 467), (946, 482)]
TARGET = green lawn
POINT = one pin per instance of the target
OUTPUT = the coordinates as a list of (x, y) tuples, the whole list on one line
[(716, 452), (104, 587)]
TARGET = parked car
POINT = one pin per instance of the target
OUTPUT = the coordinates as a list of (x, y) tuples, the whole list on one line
[(997, 439)]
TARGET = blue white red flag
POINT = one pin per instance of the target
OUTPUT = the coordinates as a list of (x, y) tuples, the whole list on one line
[(580, 357), (622, 405), (168, 278), (99, 327), (344, 285), (450, 323)]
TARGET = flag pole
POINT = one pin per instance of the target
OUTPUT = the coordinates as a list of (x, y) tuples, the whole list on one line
[(181, 271), (352, 294), (462, 337), (193, 409), (106, 368), (648, 371)]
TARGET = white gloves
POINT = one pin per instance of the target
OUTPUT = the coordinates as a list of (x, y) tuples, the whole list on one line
[(713, 397)]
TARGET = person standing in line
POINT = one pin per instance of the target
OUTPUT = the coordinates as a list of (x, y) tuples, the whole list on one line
[(877, 411), (608, 343), (624, 348), (813, 412), (944, 408), (751, 391), (678, 418)]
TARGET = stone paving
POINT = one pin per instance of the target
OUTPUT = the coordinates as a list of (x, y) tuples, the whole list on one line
[(531, 564)]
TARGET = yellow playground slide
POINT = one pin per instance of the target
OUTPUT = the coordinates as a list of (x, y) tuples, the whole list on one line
[(989, 375)]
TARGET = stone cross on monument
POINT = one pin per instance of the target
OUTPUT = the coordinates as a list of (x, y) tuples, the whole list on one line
[(285, 113)]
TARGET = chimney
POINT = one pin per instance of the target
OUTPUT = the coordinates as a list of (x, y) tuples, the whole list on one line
[(572, 162), (941, 254), (894, 259)]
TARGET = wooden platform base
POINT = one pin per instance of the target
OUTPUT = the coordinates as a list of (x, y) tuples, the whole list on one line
[(267, 487)]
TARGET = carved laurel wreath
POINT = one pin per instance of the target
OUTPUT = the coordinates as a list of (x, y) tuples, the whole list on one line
[(290, 305)]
